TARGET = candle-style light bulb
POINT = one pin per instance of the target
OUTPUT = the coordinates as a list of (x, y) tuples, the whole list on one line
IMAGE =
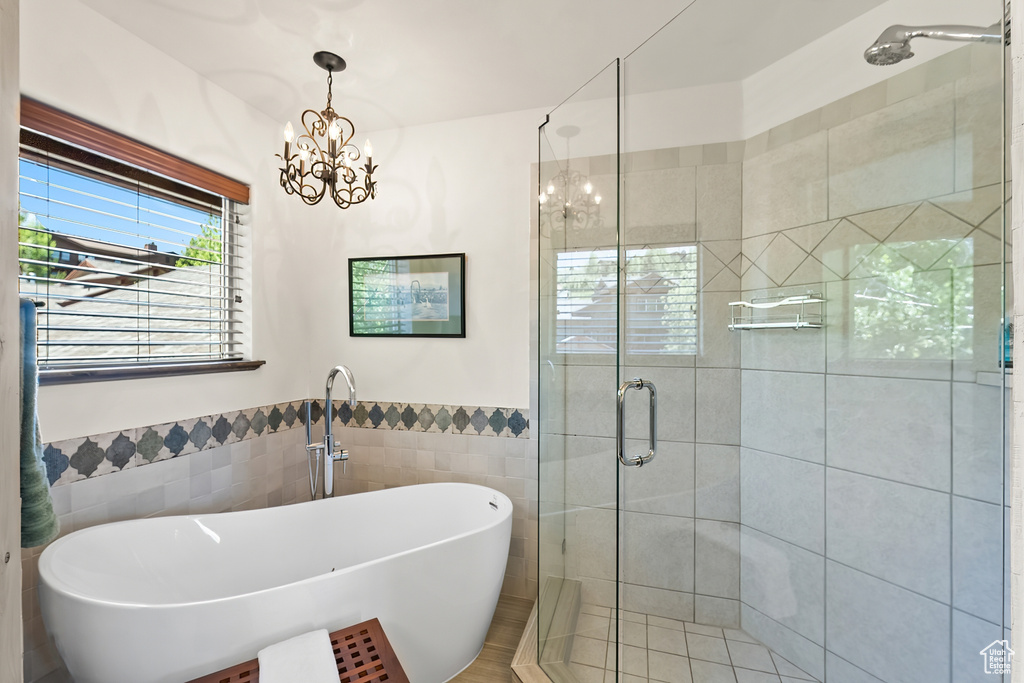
[(303, 152), (289, 133), (543, 198), (551, 188), (333, 131), (368, 149), (588, 188), (597, 199)]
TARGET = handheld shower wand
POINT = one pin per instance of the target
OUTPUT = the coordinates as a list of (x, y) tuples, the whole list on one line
[(893, 46)]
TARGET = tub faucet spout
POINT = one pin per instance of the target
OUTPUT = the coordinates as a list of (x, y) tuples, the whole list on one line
[(332, 450)]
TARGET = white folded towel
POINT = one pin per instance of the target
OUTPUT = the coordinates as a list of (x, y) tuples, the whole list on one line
[(308, 658)]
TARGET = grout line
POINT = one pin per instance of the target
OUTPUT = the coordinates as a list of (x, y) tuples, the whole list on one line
[(859, 668), (856, 569), (696, 431), (824, 528), (869, 475), (952, 462)]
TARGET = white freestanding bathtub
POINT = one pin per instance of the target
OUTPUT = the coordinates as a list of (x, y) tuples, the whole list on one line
[(165, 600)]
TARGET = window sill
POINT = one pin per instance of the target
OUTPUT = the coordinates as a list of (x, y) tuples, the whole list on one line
[(122, 372)]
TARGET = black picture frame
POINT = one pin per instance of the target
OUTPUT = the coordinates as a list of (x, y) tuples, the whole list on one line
[(407, 296)]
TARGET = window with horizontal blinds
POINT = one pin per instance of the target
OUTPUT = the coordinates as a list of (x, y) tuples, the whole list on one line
[(660, 301), (127, 266)]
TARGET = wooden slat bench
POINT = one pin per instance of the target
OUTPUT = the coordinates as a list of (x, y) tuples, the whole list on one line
[(363, 653)]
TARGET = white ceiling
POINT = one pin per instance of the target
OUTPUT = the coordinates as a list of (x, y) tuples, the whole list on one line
[(419, 61)]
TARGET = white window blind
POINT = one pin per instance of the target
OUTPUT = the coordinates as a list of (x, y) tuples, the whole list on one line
[(126, 266), (660, 315)]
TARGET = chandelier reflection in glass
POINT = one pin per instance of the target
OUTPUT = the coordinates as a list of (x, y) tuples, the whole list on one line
[(322, 160), (569, 200)]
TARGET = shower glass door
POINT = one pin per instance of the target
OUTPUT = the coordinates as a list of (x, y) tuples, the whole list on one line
[(680, 236), (579, 360)]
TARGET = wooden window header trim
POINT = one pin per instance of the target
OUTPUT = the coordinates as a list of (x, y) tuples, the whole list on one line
[(45, 119), (47, 151)]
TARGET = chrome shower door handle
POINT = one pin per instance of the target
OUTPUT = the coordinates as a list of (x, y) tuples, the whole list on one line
[(620, 420)]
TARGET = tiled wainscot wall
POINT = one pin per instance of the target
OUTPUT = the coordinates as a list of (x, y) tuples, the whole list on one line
[(256, 458), (871, 455)]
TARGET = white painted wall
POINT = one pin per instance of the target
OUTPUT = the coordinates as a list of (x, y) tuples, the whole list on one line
[(10, 496), (77, 60), (450, 187), (456, 186)]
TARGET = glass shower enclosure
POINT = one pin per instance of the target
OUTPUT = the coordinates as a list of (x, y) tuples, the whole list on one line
[(773, 387)]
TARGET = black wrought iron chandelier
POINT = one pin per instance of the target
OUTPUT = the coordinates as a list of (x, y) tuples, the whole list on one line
[(322, 160), (569, 201)]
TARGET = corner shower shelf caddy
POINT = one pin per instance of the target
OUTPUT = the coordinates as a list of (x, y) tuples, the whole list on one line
[(800, 311)]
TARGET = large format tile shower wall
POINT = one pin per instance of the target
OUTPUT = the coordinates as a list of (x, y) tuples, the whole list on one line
[(256, 458), (871, 455)]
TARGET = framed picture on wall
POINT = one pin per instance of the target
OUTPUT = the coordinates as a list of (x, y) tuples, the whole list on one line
[(407, 296)]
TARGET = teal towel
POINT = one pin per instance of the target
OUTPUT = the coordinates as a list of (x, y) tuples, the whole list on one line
[(39, 524)]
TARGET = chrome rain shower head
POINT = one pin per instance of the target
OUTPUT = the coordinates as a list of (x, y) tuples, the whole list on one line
[(893, 46)]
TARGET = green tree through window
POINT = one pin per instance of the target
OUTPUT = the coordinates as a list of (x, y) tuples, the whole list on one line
[(204, 248), (35, 244)]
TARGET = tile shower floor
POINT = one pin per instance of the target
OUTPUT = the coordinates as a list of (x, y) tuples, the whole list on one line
[(670, 651)]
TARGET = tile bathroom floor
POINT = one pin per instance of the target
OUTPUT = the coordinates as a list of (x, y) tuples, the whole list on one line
[(670, 651)]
